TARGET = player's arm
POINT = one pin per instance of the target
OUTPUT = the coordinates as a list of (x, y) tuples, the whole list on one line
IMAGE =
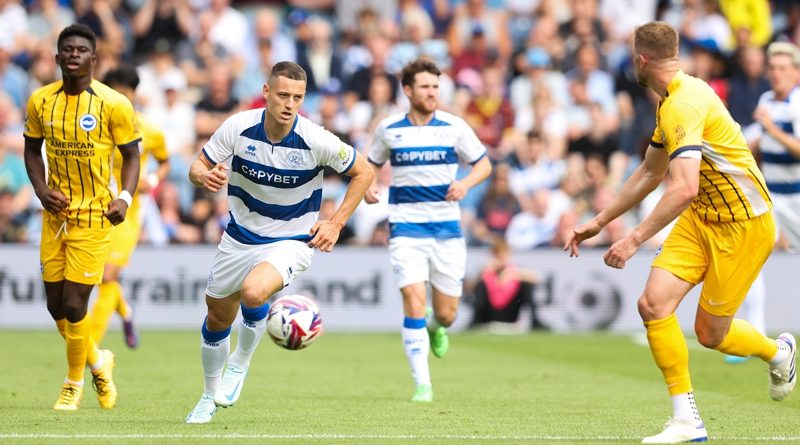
[(479, 172), (644, 180), (52, 200), (130, 180), (326, 233), (204, 173), (788, 140)]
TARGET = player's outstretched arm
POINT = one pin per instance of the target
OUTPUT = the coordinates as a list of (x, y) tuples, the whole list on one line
[(326, 232), (52, 200), (203, 173), (373, 195), (644, 180)]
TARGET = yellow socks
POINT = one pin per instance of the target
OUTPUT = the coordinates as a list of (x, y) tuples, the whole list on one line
[(77, 339), (108, 296), (744, 340), (670, 352)]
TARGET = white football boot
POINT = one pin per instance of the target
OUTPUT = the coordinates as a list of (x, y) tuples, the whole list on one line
[(679, 431), (783, 377), (203, 411), (231, 386)]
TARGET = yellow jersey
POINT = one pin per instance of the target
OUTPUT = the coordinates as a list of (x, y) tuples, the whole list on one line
[(692, 121), (80, 134), (153, 144)]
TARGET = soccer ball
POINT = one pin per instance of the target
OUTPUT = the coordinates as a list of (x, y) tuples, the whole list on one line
[(294, 322)]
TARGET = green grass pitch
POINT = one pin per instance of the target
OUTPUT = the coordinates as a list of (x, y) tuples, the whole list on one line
[(355, 389)]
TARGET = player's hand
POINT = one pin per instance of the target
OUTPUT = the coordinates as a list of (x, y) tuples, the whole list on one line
[(116, 211), (215, 178), (456, 192), (761, 115), (325, 234), (53, 200), (620, 252), (373, 194), (579, 234)]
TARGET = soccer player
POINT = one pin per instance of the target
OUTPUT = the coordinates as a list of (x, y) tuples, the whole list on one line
[(276, 167), (722, 237), (125, 236), (80, 121), (424, 147)]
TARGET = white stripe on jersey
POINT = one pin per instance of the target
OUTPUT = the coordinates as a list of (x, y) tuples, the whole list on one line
[(424, 160), (275, 190)]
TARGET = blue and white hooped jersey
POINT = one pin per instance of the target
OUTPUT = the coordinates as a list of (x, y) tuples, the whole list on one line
[(780, 168), (424, 160), (275, 190)]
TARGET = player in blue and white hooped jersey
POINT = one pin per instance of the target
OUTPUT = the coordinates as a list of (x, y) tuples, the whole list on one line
[(423, 148), (276, 159)]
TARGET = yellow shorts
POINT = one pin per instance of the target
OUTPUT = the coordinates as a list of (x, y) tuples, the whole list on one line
[(726, 256), (124, 238), (74, 253)]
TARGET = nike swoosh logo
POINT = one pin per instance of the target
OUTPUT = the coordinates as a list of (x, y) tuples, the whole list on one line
[(230, 396), (87, 274)]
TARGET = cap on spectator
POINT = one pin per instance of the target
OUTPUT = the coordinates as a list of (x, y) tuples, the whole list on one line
[(298, 16), (332, 88), (477, 29), (537, 57), (437, 50), (172, 81), (707, 45)]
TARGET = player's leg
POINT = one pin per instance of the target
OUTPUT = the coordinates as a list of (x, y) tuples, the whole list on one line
[(752, 310), (410, 264), (108, 294), (723, 294), (448, 263), (215, 343), (679, 265)]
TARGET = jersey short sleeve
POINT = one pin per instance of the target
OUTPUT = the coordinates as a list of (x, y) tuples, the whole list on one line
[(222, 143), (378, 150), (681, 126), (468, 146), (330, 151), (33, 127), (122, 122)]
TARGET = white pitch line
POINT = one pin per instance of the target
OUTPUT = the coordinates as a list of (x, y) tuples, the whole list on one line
[(367, 436)]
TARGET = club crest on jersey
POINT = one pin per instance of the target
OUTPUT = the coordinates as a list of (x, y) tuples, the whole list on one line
[(87, 122), (294, 158)]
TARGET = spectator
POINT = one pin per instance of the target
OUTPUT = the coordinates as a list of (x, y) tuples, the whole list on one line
[(474, 16), (319, 57), (537, 224), (359, 85), (217, 103), (161, 20), (12, 223), (496, 209), (501, 292), (535, 168), (13, 79), (750, 20), (196, 55), (180, 227), (749, 82), (490, 114)]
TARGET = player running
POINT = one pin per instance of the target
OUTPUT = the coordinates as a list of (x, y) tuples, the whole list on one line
[(423, 148)]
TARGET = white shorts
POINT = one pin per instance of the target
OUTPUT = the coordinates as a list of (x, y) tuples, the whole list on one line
[(235, 260), (442, 262), (787, 216)]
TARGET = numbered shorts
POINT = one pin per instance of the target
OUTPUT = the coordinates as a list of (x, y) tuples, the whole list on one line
[(726, 256), (235, 260), (787, 216), (124, 238), (73, 253), (417, 260)]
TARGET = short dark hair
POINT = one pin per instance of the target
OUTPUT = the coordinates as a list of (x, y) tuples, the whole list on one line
[(77, 30), (656, 40), (421, 65), (289, 70), (124, 75)]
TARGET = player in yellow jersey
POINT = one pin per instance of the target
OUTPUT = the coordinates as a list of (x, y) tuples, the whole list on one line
[(81, 122), (722, 237), (125, 236)]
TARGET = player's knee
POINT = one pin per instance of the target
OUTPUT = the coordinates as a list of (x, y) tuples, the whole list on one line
[(74, 310), (56, 310), (446, 317), (708, 337), (253, 296), (218, 321), (649, 309)]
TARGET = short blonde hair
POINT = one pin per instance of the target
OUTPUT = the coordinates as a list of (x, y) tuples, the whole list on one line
[(784, 49), (656, 40)]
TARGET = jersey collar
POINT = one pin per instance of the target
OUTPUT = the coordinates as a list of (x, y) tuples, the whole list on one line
[(676, 82)]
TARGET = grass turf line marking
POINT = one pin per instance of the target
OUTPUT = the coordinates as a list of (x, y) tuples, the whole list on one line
[(365, 436)]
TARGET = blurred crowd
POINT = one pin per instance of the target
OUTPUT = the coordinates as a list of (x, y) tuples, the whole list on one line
[(547, 85)]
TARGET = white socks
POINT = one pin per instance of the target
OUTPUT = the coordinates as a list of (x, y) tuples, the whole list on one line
[(684, 408), (250, 334), (214, 349), (416, 343)]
